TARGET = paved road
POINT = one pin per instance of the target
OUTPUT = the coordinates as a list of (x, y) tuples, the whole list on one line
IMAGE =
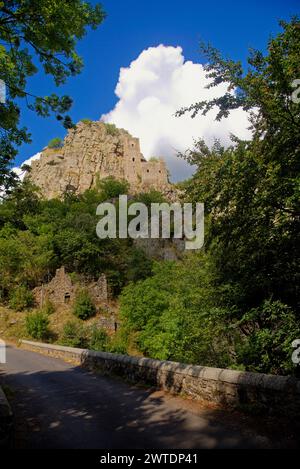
[(61, 406)]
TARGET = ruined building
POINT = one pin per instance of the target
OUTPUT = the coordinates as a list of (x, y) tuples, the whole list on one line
[(93, 151), (61, 290)]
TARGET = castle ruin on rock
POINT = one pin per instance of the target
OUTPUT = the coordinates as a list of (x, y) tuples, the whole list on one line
[(93, 151)]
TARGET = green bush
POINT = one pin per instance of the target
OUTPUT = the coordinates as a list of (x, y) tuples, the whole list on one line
[(21, 298), (86, 121), (37, 325), (174, 315), (48, 307), (111, 188), (99, 339), (139, 266), (74, 335), (151, 197), (119, 343), (84, 308), (267, 348), (55, 143), (112, 129)]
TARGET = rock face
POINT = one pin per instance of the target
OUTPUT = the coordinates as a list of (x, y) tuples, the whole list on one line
[(93, 151)]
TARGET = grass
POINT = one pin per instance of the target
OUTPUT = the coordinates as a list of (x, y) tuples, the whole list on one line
[(12, 323)]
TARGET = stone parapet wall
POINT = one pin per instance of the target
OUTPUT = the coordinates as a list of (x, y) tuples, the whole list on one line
[(274, 394)]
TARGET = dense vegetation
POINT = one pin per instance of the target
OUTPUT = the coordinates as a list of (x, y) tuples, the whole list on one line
[(38, 236), (84, 308)]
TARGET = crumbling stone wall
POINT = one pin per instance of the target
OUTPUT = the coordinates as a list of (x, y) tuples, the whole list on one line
[(61, 290), (99, 290)]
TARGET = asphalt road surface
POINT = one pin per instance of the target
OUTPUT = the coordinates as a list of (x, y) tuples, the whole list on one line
[(58, 405)]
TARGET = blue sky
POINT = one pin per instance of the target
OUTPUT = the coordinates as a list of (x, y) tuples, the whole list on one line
[(133, 26)]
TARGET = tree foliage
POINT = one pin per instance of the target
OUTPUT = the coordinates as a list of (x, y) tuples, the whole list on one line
[(251, 190), (21, 298), (175, 315), (37, 325), (84, 307)]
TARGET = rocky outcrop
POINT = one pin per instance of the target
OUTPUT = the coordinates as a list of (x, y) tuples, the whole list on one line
[(93, 151), (162, 249)]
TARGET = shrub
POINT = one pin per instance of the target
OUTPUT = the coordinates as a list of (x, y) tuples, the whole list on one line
[(55, 143), (84, 307), (151, 197), (112, 129), (26, 168), (172, 315), (21, 298), (119, 343), (139, 266), (86, 121), (111, 187), (99, 339), (37, 325), (74, 335), (268, 347), (74, 276), (48, 307)]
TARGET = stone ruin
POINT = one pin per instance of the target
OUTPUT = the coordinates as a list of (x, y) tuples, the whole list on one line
[(90, 153), (61, 290)]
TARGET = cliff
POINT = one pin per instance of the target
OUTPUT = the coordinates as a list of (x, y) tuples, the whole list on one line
[(93, 151)]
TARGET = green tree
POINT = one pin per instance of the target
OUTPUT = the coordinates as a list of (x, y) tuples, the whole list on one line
[(46, 30), (37, 236), (55, 143), (21, 298), (174, 315), (37, 325), (84, 307), (99, 339), (251, 190), (267, 348), (251, 195), (111, 188), (74, 335), (151, 197)]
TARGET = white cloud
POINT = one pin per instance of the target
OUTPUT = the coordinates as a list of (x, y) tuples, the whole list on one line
[(157, 84), (18, 171)]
